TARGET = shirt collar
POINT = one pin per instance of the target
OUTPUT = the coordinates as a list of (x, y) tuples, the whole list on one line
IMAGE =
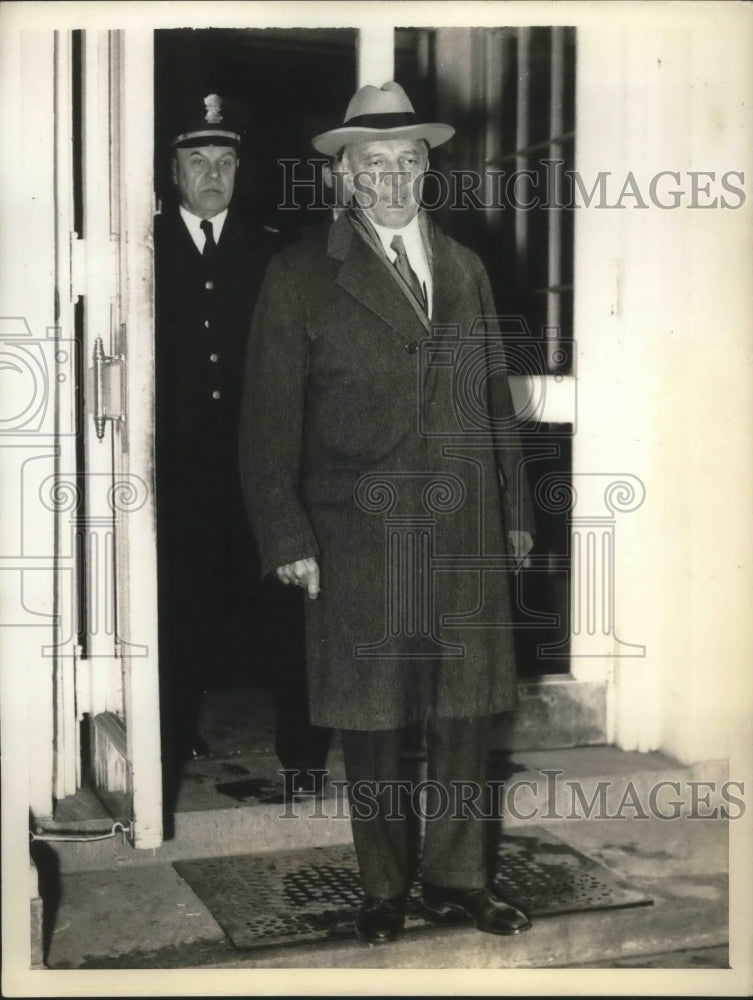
[(413, 241), (411, 235), (193, 224)]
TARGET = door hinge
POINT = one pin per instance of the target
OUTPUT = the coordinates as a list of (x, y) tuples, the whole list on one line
[(105, 388)]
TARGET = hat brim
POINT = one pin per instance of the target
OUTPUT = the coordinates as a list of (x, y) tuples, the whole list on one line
[(206, 137), (331, 142)]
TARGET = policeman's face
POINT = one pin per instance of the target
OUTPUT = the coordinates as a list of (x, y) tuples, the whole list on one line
[(384, 178), (205, 178)]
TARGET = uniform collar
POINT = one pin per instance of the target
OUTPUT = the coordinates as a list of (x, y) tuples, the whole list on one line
[(193, 225)]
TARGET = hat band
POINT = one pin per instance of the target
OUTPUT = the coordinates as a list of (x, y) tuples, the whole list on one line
[(394, 119), (212, 133)]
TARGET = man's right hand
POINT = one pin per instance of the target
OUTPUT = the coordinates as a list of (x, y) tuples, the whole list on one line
[(303, 573)]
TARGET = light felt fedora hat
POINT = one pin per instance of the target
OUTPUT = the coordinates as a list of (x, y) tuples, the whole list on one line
[(381, 113)]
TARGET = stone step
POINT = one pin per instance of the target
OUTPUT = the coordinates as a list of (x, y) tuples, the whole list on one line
[(681, 866), (574, 939), (153, 919)]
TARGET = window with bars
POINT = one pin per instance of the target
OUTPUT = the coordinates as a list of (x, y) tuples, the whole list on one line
[(529, 114), (510, 92)]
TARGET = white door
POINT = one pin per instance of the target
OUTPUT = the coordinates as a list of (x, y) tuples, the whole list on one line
[(106, 676)]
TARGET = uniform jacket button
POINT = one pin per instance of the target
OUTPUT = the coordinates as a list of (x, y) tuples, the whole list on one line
[(209, 285), (214, 358), (411, 347), (216, 394)]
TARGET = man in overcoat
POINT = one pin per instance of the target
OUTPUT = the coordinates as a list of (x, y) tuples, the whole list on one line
[(209, 266), (381, 472)]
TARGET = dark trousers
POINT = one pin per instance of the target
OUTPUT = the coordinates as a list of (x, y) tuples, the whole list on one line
[(207, 580), (384, 811), (280, 653)]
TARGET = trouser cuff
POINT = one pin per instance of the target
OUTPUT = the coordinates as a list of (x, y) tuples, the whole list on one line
[(381, 888), (469, 879)]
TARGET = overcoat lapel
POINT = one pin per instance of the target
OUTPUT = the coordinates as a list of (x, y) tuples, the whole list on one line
[(367, 276), (447, 276)]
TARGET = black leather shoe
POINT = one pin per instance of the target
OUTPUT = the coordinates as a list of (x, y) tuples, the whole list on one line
[(200, 748), (489, 913), (381, 920), (194, 747)]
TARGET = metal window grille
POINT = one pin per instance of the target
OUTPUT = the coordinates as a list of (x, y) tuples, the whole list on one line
[(527, 93)]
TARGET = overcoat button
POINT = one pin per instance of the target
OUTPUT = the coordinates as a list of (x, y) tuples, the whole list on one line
[(206, 323), (216, 394), (214, 358), (411, 347), (209, 285)]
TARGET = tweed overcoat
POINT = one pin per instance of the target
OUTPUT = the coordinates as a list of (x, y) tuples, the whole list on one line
[(379, 442)]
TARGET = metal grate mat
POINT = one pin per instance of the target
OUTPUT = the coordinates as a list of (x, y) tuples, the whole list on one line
[(309, 896)]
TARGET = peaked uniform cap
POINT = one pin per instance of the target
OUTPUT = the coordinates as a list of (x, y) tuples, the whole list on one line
[(381, 113), (208, 120)]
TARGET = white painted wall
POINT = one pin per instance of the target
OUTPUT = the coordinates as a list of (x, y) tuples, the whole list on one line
[(26, 535), (663, 314), (27, 440)]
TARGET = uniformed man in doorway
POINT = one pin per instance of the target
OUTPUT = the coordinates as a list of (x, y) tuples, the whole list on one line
[(209, 264)]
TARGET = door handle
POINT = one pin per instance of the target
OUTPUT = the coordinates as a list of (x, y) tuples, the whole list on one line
[(106, 388)]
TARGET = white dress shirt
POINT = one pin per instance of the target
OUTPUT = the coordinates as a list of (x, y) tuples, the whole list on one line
[(193, 225), (414, 248)]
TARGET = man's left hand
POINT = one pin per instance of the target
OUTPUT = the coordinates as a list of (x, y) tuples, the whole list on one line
[(520, 544)]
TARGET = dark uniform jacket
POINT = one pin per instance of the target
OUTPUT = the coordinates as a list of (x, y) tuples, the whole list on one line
[(378, 444), (203, 314)]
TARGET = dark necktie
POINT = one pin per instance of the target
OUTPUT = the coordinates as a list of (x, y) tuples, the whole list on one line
[(406, 272), (209, 246)]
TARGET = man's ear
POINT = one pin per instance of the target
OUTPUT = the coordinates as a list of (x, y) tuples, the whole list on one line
[(342, 177), (174, 169)]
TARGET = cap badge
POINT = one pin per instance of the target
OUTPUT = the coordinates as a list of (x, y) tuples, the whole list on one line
[(213, 104)]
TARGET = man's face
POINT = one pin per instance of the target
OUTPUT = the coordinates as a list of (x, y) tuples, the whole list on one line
[(205, 178), (384, 178)]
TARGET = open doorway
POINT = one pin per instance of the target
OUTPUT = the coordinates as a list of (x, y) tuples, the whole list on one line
[(296, 83), (247, 695)]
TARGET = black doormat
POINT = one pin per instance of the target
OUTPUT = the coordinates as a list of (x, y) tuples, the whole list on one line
[(313, 895)]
